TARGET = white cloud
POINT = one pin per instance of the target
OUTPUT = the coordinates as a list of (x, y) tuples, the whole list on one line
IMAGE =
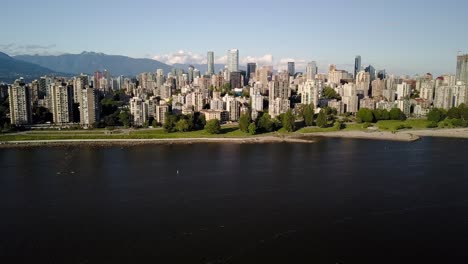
[(182, 57), (265, 60), (221, 60), (188, 57), (29, 49)]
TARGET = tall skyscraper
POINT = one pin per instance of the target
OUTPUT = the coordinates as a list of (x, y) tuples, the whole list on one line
[(210, 60), (196, 74), (20, 103), (357, 65), (190, 73), (62, 103), (311, 70), (462, 69), (251, 69), (79, 84), (291, 68), (89, 107), (372, 72), (233, 60)]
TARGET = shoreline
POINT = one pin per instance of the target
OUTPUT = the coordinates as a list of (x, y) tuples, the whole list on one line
[(307, 138), (164, 141)]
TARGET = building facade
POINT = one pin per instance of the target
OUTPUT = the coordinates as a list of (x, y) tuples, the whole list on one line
[(62, 103), (20, 103)]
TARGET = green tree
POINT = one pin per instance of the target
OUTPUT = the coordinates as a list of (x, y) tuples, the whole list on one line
[(309, 115), (108, 107), (435, 115), (288, 121), (365, 115), (125, 118), (397, 114), (213, 126), (155, 123), (252, 129), (454, 113), (182, 125), (244, 122), (4, 110), (42, 115), (381, 114), (322, 119), (170, 122), (463, 112), (330, 93), (265, 124), (109, 121)]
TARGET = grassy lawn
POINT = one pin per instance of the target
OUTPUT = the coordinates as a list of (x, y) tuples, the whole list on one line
[(394, 125), (226, 132), (348, 127)]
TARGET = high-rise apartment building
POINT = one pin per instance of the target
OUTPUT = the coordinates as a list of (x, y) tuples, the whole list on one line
[(251, 69), (190, 73), (357, 65), (20, 103), (62, 103), (139, 111), (89, 107), (462, 69), (79, 84), (233, 60), (363, 82), (311, 70), (291, 68), (235, 80), (210, 61)]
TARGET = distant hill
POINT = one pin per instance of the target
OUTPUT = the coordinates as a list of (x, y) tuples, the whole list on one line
[(89, 62), (11, 69)]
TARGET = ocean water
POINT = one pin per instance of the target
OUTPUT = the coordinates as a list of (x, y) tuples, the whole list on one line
[(334, 201)]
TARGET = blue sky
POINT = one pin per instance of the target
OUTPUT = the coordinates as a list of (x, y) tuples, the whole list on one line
[(402, 36)]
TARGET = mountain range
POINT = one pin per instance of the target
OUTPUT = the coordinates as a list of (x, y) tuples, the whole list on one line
[(11, 69), (90, 62), (34, 66)]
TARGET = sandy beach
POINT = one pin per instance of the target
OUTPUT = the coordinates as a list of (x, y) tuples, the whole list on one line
[(166, 141), (372, 135), (404, 136)]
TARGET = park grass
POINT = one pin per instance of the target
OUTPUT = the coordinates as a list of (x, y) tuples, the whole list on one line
[(226, 132), (309, 130), (348, 127), (394, 125)]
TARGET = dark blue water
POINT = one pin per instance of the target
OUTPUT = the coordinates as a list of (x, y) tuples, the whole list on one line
[(336, 201)]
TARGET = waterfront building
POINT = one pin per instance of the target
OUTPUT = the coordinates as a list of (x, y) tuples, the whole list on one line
[(20, 103), (62, 103), (462, 69), (89, 107)]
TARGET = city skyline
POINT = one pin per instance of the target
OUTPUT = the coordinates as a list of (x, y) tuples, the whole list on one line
[(404, 38)]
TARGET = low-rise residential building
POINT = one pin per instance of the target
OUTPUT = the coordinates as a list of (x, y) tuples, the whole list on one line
[(215, 114), (338, 105), (368, 103), (405, 106)]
